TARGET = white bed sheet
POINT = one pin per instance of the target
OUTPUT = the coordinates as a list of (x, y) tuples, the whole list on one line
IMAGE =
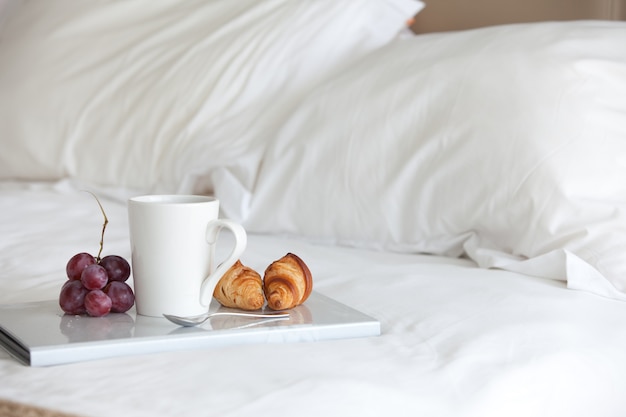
[(456, 340)]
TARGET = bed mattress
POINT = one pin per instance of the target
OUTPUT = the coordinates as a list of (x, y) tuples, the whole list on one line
[(456, 340)]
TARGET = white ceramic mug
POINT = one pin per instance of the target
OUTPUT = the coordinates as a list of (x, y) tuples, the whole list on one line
[(173, 239)]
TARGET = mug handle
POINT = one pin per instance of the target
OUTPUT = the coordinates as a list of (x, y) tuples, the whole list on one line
[(241, 240)]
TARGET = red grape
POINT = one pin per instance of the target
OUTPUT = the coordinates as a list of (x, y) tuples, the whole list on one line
[(117, 267), (77, 263), (94, 277), (72, 297), (89, 276), (121, 296), (97, 303), (96, 286)]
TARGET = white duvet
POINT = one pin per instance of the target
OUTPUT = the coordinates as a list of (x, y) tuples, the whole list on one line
[(456, 340), (502, 148)]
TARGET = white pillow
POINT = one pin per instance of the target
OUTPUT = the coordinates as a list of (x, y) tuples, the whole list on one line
[(507, 144), (148, 94)]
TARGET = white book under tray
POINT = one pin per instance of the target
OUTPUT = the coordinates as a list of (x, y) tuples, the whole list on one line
[(40, 334)]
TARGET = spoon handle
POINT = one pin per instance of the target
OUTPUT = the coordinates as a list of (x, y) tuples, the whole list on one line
[(250, 314), (197, 320)]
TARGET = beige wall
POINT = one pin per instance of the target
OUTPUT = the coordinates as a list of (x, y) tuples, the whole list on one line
[(441, 15)]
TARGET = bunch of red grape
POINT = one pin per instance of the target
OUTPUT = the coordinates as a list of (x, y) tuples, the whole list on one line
[(96, 286)]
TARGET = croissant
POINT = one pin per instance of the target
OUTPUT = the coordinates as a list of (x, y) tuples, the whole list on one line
[(287, 283), (240, 287)]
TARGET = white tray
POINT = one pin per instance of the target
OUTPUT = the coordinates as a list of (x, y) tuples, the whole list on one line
[(40, 334)]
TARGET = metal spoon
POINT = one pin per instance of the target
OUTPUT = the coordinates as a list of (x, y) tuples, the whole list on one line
[(199, 319)]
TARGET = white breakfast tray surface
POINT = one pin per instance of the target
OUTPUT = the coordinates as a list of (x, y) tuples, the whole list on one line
[(40, 334)]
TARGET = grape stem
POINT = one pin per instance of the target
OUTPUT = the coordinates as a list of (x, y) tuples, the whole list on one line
[(104, 225)]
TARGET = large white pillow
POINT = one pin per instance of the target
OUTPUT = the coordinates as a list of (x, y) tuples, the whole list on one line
[(147, 94), (506, 144)]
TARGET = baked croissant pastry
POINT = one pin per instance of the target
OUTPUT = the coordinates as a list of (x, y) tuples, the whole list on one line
[(240, 287), (287, 283)]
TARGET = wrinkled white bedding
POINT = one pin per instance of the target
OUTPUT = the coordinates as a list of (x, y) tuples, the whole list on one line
[(456, 340)]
